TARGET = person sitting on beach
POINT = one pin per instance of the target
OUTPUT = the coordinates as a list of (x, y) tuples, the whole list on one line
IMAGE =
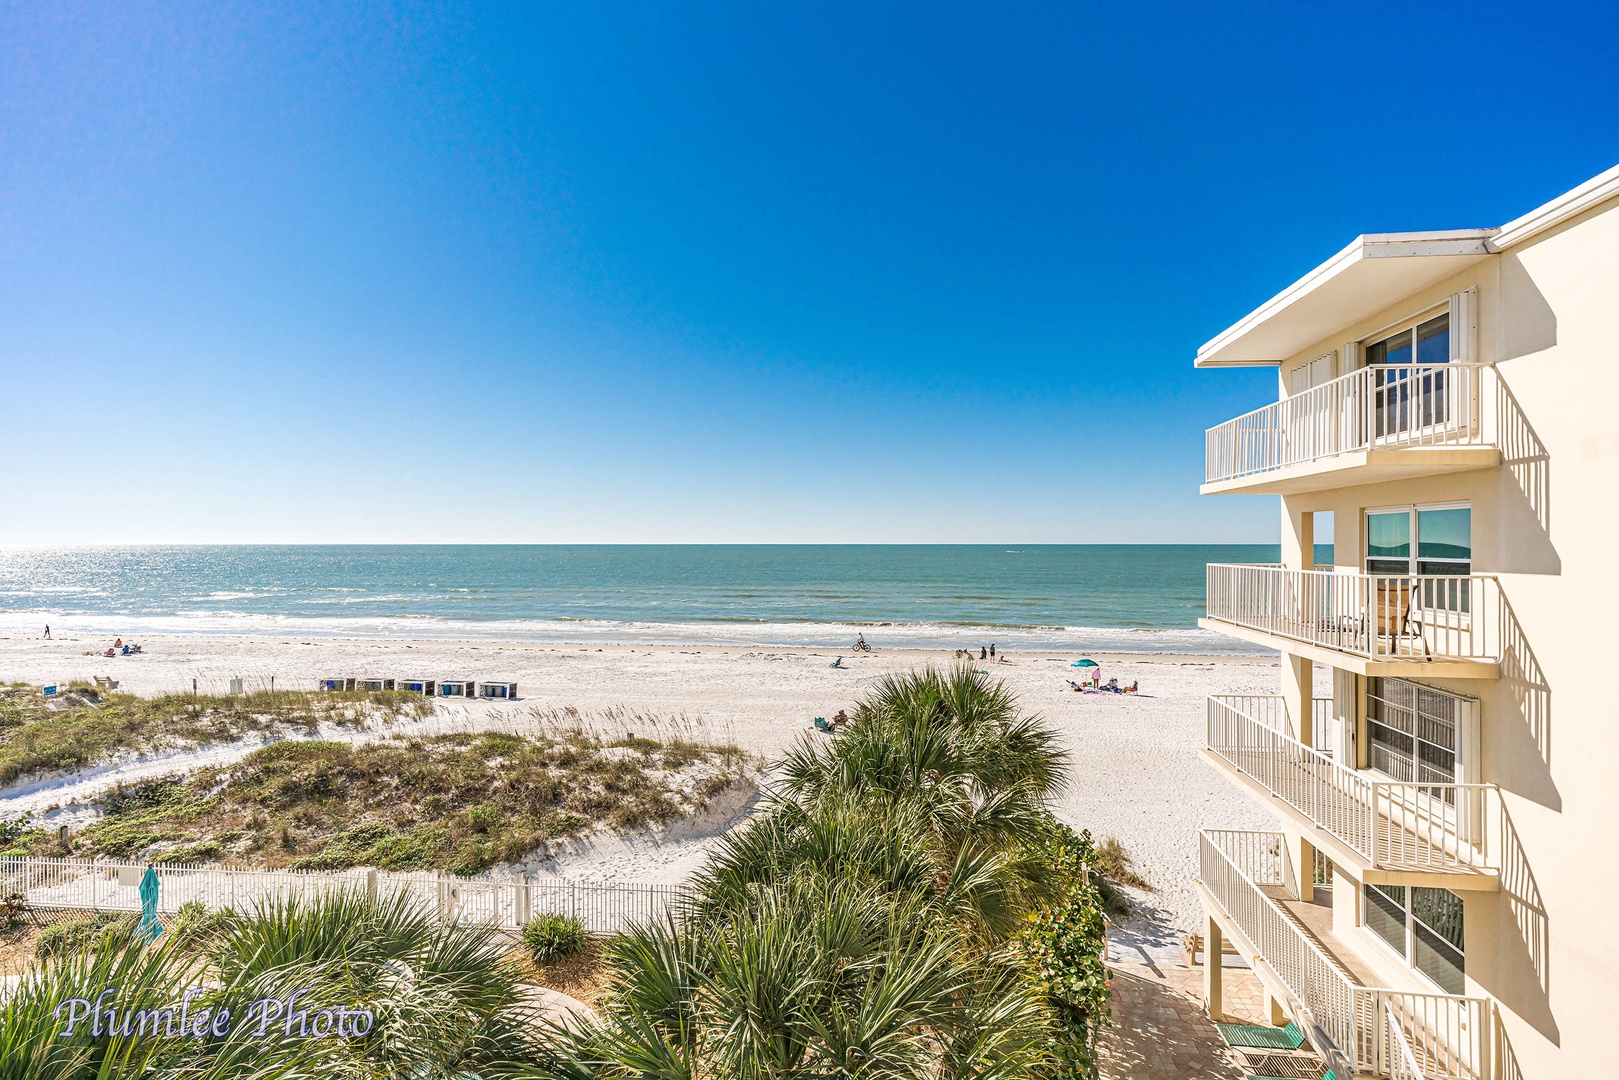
[(840, 719), (119, 644), (1112, 686), (1078, 689), (1133, 687), (983, 653)]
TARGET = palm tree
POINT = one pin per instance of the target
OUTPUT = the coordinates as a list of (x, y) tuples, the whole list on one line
[(445, 1001), (861, 925)]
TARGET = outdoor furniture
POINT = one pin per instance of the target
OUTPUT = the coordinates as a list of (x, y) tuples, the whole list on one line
[(1394, 614), (1262, 1037)]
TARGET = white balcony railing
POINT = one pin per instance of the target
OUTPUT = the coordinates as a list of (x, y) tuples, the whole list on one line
[(1378, 616), (1384, 406), (1392, 825), (1447, 1036)]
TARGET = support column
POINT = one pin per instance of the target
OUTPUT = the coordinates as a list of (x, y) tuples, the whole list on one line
[(1273, 1009), (1298, 693), (1213, 950)]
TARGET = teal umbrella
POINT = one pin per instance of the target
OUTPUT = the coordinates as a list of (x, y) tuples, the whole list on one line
[(1087, 662), (149, 927)]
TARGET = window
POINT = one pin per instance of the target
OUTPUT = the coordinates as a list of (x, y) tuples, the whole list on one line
[(1424, 926), (1415, 732), (1408, 398), (1443, 548)]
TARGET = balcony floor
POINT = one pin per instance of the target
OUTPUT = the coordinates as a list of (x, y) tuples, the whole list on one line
[(1358, 467), (1313, 919), (1395, 667)]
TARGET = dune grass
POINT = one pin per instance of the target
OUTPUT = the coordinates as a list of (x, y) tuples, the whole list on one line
[(456, 802), (89, 726)]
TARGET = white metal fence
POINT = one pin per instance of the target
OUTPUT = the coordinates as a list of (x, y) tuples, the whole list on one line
[(1449, 1037), (1382, 406), (1392, 825), (1379, 616), (603, 908)]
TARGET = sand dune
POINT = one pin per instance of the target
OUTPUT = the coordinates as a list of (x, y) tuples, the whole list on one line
[(1136, 772)]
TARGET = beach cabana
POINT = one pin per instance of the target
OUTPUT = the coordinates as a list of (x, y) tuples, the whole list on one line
[(500, 691), (456, 688), (415, 686), (376, 685), (337, 684)]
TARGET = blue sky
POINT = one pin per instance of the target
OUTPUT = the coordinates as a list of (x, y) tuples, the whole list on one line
[(708, 272)]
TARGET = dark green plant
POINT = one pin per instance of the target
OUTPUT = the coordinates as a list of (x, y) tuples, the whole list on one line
[(72, 935), (1066, 947), (551, 937)]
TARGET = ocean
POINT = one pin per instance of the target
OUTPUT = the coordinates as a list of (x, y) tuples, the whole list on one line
[(1101, 598)]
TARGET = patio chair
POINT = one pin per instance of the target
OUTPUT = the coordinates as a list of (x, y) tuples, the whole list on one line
[(1395, 614)]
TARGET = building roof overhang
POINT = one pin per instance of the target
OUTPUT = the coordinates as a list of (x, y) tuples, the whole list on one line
[(1370, 274)]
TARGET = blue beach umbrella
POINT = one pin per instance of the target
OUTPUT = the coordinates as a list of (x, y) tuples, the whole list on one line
[(1087, 662), (149, 927)]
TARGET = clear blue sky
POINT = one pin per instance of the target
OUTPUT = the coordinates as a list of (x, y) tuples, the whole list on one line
[(708, 272)]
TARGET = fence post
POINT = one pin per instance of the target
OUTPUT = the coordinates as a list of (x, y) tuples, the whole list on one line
[(371, 886)]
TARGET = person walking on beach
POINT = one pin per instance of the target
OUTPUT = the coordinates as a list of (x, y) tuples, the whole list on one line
[(193, 687), (47, 631), (992, 650)]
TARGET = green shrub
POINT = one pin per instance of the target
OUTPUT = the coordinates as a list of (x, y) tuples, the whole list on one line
[(73, 934), (195, 926), (551, 937), (1066, 946), (13, 912)]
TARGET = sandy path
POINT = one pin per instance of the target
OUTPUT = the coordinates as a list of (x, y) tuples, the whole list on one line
[(1136, 772)]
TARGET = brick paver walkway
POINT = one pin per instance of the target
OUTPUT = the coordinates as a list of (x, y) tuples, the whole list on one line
[(1159, 1031)]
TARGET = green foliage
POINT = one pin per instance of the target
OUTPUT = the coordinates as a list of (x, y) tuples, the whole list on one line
[(461, 803), (72, 935), (13, 911), (13, 829), (194, 926), (446, 1001), (1066, 946), (869, 920), (551, 937), (34, 738)]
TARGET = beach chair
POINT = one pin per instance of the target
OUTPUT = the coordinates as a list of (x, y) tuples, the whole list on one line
[(1262, 1037), (822, 725)]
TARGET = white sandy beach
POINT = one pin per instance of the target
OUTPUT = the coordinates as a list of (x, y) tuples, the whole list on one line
[(1136, 773)]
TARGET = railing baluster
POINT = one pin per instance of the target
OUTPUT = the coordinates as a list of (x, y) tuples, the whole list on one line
[(1382, 406)]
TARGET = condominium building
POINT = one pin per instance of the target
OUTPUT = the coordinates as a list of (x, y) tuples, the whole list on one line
[(1442, 751)]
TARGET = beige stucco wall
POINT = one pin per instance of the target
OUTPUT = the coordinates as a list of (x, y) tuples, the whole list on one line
[(1547, 522)]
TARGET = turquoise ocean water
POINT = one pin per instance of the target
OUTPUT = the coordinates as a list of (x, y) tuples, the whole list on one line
[(1136, 598)]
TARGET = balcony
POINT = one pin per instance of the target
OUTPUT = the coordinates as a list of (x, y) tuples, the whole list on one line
[(1384, 422), (1245, 882), (1374, 624), (1439, 835)]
